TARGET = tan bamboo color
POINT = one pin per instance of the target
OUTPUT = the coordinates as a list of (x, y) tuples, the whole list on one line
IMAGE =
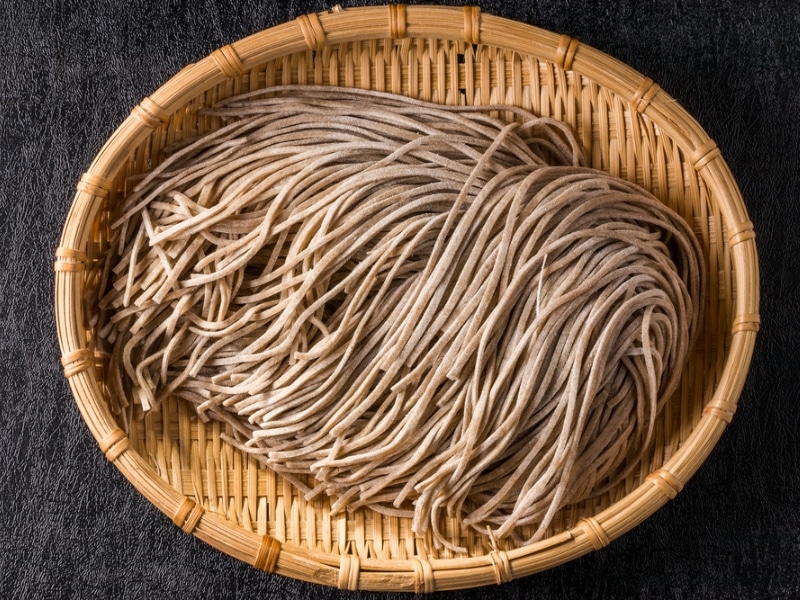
[(629, 127)]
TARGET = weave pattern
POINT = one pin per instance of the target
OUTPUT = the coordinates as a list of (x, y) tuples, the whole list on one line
[(224, 481)]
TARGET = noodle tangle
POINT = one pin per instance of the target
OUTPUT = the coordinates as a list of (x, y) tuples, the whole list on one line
[(432, 310)]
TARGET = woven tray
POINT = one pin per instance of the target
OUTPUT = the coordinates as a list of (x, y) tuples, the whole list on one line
[(628, 126)]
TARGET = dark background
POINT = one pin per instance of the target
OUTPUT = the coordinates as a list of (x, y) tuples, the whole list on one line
[(72, 527)]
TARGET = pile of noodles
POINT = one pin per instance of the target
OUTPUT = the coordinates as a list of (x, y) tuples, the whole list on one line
[(432, 310)]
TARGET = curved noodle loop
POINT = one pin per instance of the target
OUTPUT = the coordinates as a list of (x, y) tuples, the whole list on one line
[(431, 310)]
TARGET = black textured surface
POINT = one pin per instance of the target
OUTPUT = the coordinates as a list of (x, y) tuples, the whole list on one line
[(72, 527)]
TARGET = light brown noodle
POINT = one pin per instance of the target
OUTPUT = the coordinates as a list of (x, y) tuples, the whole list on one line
[(430, 309)]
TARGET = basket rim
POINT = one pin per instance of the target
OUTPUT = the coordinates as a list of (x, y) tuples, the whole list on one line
[(468, 24)]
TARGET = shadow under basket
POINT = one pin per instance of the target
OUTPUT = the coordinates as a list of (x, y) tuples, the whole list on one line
[(628, 126)]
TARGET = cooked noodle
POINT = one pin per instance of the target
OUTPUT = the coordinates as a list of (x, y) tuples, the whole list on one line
[(430, 309)]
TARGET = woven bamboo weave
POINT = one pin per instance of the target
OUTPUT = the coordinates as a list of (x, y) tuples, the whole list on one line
[(629, 127)]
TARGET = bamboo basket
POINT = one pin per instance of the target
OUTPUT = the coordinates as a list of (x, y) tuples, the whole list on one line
[(628, 126)]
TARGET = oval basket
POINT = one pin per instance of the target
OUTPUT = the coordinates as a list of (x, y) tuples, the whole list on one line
[(628, 126)]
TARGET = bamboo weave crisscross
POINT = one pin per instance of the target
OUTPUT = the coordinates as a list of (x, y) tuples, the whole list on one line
[(628, 126)]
